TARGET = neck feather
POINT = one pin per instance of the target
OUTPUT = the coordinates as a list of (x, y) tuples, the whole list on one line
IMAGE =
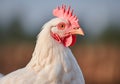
[(47, 51)]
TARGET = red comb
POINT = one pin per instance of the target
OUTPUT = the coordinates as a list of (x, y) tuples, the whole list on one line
[(63, 12)]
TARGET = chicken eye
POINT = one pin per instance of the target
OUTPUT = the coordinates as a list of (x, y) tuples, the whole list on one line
[(61, 26)]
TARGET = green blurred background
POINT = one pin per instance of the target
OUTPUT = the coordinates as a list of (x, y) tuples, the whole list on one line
[(98, 52)]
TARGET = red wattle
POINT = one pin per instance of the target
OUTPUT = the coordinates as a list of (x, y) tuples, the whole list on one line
[(69, 40)]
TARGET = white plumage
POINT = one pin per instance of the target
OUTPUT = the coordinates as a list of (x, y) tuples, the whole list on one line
[(1, 75), (51, 63)]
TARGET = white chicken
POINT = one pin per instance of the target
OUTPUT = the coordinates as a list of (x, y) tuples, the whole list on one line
[(52, 61)]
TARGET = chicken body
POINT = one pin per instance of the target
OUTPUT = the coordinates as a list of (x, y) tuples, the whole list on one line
[(51, 63)]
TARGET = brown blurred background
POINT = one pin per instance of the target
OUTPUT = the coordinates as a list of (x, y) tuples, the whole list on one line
[(98, 52)]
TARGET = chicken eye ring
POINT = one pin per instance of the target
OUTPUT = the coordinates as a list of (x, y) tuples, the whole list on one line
[(61, 26)]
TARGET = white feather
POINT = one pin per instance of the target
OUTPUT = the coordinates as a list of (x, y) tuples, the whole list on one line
[(52, 63), (1, 75)]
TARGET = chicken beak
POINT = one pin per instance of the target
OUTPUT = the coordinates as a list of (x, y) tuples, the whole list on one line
[(77, 31)]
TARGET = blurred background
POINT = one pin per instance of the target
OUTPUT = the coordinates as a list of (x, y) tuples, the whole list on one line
[(98, 52)]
